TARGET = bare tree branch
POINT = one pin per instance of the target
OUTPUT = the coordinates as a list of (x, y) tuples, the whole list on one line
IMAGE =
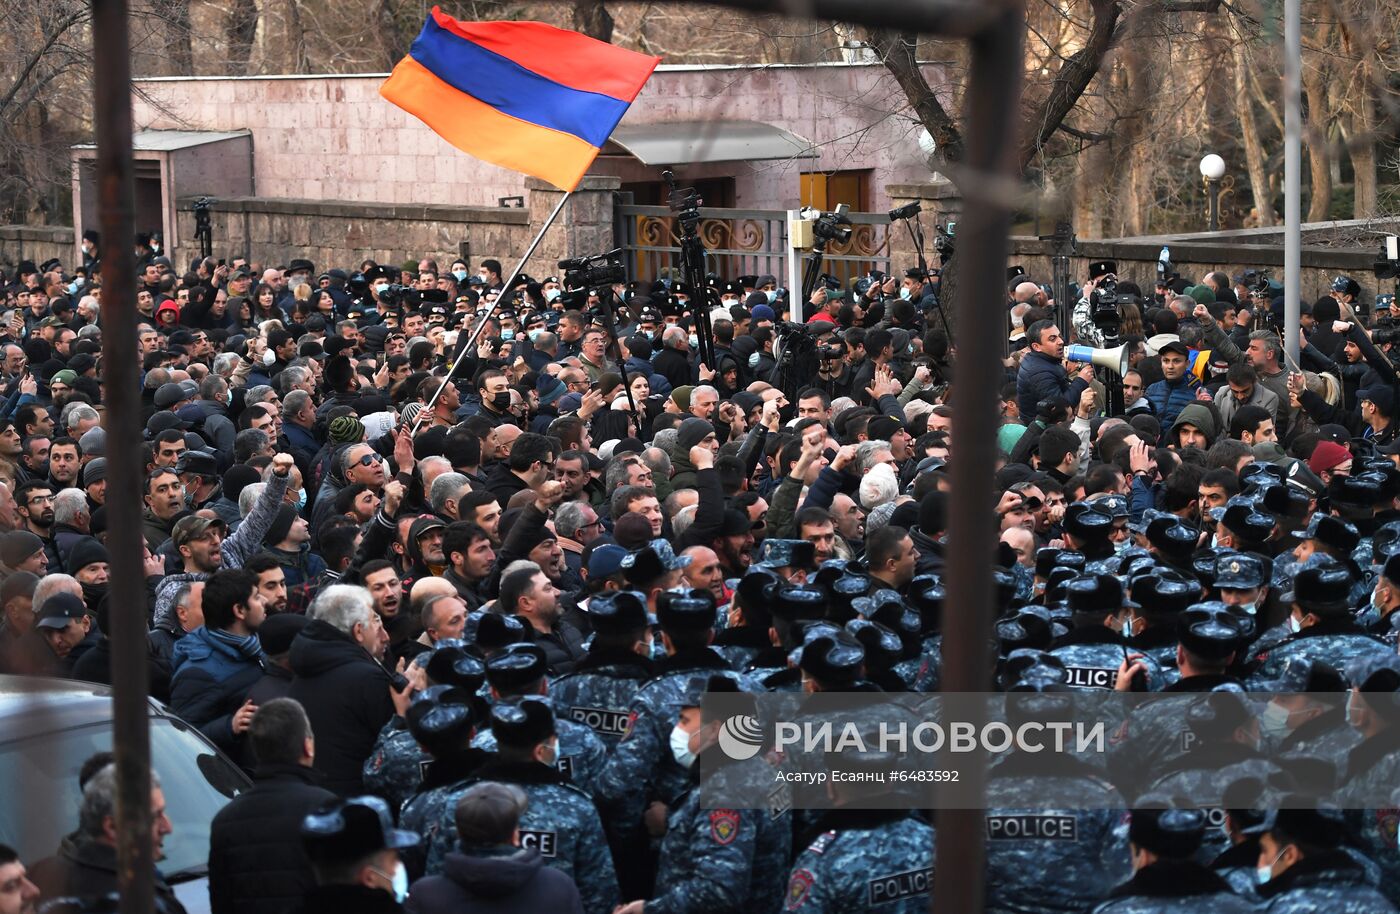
[(898, 53)]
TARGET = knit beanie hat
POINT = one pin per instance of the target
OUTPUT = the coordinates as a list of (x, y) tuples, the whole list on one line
[(281, 525), (85, 552), (681, 396), (346, 430), (693, 431), (237, 478), (18, 545)]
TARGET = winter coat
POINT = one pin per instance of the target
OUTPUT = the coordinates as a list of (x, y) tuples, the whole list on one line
[(495, 880), (346, 696), (89, 870), (1168, 398), (210, 679), (257, 863), (502, 483), (673, 365), (1041, 378)]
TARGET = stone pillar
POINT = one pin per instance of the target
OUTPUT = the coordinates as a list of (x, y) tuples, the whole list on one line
[(584, 227), (942, 204)]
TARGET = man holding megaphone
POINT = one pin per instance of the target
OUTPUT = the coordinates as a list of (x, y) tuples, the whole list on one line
[(1043, 375)]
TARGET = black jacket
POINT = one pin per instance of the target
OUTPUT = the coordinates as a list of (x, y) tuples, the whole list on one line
[(502, 483), (496, 880), (346, 695), (674, 366), (89, 870), (347, 899), (256, 861)]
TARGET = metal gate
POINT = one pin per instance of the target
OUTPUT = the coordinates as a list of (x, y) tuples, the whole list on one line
[(741, 242)]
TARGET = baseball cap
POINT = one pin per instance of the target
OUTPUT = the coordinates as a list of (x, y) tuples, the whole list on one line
[(60, 609)]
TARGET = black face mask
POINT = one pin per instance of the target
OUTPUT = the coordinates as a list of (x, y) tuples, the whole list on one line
[(93, 594), (501, 402)]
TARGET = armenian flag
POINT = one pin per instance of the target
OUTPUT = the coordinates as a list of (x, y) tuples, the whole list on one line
[(523, 95)]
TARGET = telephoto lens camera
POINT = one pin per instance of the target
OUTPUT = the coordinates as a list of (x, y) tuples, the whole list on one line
[(830, 352)]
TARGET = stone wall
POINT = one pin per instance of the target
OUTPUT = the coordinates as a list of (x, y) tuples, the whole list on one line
[(37, 243), (343, 234)]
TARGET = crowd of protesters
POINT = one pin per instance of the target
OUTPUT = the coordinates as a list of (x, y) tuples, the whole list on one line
[(456, 607)]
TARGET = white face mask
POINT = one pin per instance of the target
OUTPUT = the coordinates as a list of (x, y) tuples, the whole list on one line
[(398, 883), (1273, 723), (1376, 602), (269, 357), (680, 747), (553, 755), (1293, 624), (772, 295), (552, 294), (1128, 627)]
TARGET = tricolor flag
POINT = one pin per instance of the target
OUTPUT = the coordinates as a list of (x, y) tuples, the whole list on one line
[(523, 95)]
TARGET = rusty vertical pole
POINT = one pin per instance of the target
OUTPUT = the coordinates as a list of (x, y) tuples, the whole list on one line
[(121, 391), (992, 101)]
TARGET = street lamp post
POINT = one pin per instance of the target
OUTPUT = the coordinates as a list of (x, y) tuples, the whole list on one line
[(1212, 170)]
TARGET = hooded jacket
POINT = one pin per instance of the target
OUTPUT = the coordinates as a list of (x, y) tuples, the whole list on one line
[(1168, 398), (1199, 415), (346, 696)]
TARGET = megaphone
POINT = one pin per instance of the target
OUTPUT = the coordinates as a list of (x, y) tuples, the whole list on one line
[(1115, 360)]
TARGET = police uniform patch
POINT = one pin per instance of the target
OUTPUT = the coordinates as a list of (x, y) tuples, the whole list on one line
[(423, 768), (724, 825), (543, 841), (631, 724), (897, 886), (798, 887), (823, 841), (602, 720)]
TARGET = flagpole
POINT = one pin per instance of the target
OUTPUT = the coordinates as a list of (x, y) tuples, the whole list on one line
[(462, 349)]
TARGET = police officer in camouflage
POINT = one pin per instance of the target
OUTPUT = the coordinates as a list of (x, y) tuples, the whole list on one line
[(519, 672), (1321, 623), (1303, 868), (599, 692), (641, 769), (1097, 646), (869, 853), (442, 720), (560, 820), (1166, 879), (394, 770), (720, 859)]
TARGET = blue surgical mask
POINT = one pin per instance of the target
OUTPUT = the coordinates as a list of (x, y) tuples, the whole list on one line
[(460, 274), (301, 499), (507, 334), (694, 341), (772, 295), (1264, 873), (398, 882), (380, 287), (552, 294), (73, 287), (535, 334), (753, 360), (904, 293), (1294, 625), (1128, 626), (1377, 604)]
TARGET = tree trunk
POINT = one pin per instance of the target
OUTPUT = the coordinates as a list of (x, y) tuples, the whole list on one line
[(1363, 144), (240, 30), (1315, 135), (1249, 129), (592, 18), (180, 46), (296, 39)]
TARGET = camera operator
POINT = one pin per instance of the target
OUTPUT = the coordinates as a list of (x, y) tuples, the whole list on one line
[(1347, 292), (1086, 330)]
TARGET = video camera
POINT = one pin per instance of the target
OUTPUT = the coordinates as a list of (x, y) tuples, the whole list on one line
[(593, 271), (1388, 265), (943, 242), (827, 227), (395, 295), (832, 286), (1104, 302)]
